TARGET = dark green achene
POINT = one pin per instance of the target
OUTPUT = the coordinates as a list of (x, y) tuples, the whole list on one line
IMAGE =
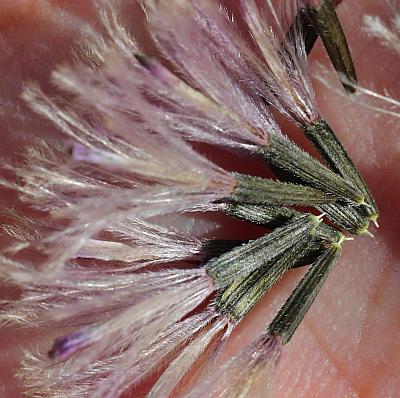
[(296, 306)]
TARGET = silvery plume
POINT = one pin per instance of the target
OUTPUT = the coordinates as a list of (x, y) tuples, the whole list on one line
[(138, 298)]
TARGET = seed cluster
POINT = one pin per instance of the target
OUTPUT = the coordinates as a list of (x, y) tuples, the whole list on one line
[(153, 297)]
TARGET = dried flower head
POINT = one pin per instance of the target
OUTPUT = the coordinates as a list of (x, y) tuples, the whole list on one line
[(108, 261)]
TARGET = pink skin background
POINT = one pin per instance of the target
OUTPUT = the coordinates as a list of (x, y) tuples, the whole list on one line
[(347, 345)]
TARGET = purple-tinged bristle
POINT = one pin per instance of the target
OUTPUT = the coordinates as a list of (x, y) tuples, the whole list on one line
[(155, 68), (65, 346), (80, 152)]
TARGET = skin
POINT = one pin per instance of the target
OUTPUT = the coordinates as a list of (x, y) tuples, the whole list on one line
[(347, 345)]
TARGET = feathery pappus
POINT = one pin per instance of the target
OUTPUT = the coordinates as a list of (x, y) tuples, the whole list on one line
[(110, 259)]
